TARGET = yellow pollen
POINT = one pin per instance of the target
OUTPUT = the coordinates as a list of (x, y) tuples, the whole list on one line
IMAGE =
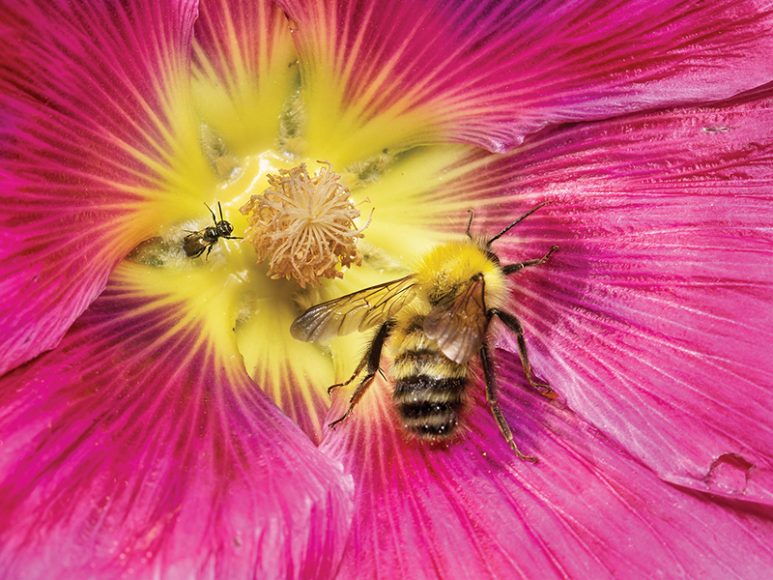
[(303, 225)]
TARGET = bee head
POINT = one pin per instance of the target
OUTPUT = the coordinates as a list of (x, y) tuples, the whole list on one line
[(224, 228)]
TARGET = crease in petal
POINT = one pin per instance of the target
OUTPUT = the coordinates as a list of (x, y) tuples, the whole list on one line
[(93, 113), (388, 75), (140, 445), (471, 508)]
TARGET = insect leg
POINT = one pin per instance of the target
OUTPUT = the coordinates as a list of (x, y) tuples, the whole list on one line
[(372, 358), (514, 325), (491, 397), (511, 268), (356, 372)]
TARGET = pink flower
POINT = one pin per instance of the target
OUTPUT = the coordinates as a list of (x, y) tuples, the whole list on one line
[(156, 417)]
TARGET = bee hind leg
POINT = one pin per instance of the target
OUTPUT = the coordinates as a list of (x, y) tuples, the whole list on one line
[(514, 325), (356, 396), (355, 374), (372, 359), (491, 397)]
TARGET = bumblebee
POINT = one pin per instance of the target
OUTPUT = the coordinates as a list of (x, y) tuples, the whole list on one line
[(196, 242), (435, 321)]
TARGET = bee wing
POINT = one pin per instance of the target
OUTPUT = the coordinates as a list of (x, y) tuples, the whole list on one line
[(458, 323), (356, 311)]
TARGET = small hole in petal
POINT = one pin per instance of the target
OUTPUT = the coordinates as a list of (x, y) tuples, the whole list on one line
[(729, 473)]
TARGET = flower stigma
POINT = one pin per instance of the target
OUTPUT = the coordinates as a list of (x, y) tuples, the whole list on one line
[(303, 225)]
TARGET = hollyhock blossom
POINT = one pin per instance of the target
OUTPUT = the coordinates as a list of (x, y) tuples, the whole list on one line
[(144, 442)]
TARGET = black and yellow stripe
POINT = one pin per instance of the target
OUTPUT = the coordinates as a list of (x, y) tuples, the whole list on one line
[(428, 386)]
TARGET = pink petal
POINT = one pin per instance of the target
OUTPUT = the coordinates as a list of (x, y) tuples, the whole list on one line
[(471, 509), (489, 72), (142, 448), (82, 100), (654, 317), (244, 57)]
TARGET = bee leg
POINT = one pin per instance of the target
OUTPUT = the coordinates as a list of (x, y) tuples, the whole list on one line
[(209, 249), (491, 397), (356, 372), (514, 325), (511, 268), (372, 358), (356, 396)]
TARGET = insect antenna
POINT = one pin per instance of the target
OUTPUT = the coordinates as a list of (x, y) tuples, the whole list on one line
[(214, 219), (469, 223), (220, 211), (515, 223)]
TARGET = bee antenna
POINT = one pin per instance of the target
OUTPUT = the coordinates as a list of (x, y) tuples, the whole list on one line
[(220, 209), (214, 219), (469, 223), (515, 223)]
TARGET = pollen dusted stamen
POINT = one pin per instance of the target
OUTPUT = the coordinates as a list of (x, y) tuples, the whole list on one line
[(303, 225)]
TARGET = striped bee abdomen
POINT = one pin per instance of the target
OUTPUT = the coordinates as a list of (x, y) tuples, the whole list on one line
[(428, 387), (429, 406)]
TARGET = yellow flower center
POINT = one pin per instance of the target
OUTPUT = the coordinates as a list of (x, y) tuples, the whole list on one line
[(303, 225), (251, 143)]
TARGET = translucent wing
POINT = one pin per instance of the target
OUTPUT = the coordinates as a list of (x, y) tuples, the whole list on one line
[(357, 311), (458, 322)]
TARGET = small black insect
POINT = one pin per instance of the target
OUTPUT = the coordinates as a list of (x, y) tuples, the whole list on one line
[(195, 243)]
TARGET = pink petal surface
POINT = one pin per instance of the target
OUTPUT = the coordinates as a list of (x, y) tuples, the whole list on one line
[(300, 396), (654, 318), (231, 33), (81, 104), (489, 72), (471, 509), (135, 448)]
